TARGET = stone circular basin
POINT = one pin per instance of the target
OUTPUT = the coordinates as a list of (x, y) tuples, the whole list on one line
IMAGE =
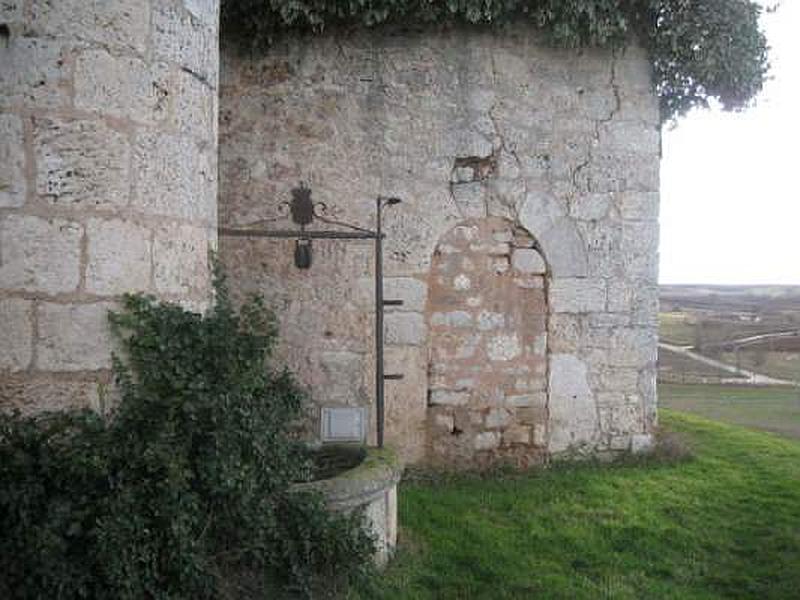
[(370, 484)]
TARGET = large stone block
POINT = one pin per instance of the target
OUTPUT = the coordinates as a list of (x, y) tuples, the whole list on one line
[(12, 162), (405, 329), (122, 86), (16, 334), (573, 414), (413, 292), (178, 37), (32, 393), (175, 177), (575, 295), (180, 261), (81, 164), (40, 255), (115, 24), (74, 337), (33, 73), (119, 258)]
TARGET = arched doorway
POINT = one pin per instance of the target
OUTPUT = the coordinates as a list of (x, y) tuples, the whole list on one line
[(487, 363)]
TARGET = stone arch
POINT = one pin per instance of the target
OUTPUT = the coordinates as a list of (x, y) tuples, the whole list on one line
[(487, 356), (557, 235)]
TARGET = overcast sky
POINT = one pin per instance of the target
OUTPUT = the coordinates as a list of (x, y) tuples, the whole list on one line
[(730, 182)]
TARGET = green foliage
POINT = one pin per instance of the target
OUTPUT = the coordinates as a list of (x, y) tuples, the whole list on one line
[(185, 491), (700, 49)]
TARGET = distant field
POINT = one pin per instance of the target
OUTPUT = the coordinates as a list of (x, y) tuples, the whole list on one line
[(774, 409), (783, 365), (677, 368)]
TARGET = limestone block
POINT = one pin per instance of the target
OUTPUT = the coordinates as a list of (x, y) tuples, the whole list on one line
[(405, 329), (413, 292), (566, 332), (631, 347), (111, 23), (205, 10), (74, 337), (341, 375), (497, 417), (12, 162), (10, 10), (487, 440), (536, 400), (575, 295), (81, 164), (180, 260), (194, 107), (445, 422), (620, 419), (564, 248), (16, 334), (448, 398), (642, 443), (188, 42), (638, 206), (622, 171), (175, 177), (528, 260), (573, 414), (591, 207), (455, 318), (470, 198), (32, 393), (33, 72), (119, 257), (634, 136), (40, 255), (517, 434), (122, 86), (638, 299)]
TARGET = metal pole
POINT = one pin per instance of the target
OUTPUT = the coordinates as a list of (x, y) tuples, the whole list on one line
[(379, 324)]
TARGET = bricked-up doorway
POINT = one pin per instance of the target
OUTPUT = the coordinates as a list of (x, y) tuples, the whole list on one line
[(487, 370)]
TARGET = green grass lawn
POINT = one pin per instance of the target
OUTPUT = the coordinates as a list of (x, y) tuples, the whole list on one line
[(723, 525), (775, 409)]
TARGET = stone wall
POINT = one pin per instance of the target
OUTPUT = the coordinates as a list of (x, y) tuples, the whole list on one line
[(108, 180), (468, 127)]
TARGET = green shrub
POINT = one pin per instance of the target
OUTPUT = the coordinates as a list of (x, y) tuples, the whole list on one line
[(700, 49), (184, 492)]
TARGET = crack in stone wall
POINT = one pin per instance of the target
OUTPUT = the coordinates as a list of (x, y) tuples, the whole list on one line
[(466, 125)]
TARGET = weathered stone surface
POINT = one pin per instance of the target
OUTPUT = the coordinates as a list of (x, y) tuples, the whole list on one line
[(123, 87), (119, 257), (577, 295), (81, 164), (16, 334), (175, 177), (413, 292), (528, 260), (12, 162), (31, 393), (180, 260), (33, 72), (74, 337), (565, 170), (40, 255), (112, 23), (487, 440), (405, 329), (573, 417)]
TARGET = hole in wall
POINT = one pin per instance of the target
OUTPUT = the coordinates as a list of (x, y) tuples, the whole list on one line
[(5, 33)]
